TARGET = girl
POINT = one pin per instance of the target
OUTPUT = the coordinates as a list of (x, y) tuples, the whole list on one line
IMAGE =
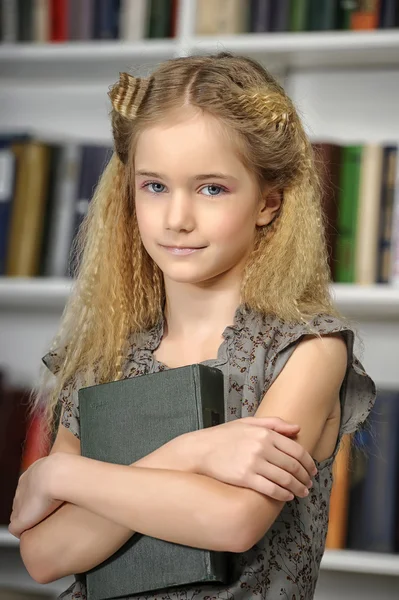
[(204, 243)]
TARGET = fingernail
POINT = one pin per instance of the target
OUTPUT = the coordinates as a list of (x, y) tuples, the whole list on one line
[(306, 492), (310, 484)]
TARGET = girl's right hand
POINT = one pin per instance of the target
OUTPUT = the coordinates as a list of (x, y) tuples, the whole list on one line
[(257, 453)]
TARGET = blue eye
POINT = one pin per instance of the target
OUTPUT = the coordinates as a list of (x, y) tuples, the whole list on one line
[(155, 183), (213, 186)]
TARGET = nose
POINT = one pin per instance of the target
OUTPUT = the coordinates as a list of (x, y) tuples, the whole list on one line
[(180, 212)]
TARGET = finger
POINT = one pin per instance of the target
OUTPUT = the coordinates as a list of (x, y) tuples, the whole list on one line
[(283, 460), (275, 424), (269, 488), (297, 452), (282, 478)]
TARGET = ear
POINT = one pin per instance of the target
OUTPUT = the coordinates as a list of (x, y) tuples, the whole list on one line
[(269, 206)]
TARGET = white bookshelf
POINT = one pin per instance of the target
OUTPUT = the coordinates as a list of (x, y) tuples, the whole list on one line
[(346, 86)]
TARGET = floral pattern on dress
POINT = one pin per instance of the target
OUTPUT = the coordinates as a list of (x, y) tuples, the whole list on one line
[(285, 563)]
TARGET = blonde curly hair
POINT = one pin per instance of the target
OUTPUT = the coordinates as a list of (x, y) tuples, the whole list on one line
[(118, 290)]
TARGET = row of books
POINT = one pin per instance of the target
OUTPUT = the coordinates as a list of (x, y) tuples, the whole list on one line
[(361, 201), (260, 16), (47, 21), (45, 190), (364, 509), (131, 20)]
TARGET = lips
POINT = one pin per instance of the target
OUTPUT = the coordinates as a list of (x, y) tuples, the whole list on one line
[(177, 250)]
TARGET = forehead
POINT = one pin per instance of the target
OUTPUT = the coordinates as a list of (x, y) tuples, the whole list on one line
[(190, 138)]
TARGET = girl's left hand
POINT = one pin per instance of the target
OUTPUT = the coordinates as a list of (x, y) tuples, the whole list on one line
[(32, 500)]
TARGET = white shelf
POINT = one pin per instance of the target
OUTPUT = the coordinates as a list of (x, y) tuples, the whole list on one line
[(333, 560), (6, 539), (371, 563), (96, 60), (380, 302), (311, 49)]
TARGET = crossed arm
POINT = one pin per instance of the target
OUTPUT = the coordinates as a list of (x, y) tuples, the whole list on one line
[(165, 498)]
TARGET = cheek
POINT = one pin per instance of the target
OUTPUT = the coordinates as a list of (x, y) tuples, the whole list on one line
[(146, 218), (232, 228)]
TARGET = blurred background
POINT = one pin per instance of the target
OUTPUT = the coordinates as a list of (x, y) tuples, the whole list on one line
[(339, 61)]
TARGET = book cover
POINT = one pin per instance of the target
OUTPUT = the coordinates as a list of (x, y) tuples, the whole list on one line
[(124, 421)]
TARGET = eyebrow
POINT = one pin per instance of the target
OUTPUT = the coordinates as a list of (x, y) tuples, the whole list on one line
[(199, 177)]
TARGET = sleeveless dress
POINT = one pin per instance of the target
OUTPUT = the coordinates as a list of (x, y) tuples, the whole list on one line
[(285, 562)]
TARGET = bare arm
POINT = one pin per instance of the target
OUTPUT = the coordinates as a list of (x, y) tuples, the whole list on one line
[(170, 505), (74, 539)]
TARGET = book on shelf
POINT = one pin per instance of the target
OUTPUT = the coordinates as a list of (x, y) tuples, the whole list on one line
[(338, 513)]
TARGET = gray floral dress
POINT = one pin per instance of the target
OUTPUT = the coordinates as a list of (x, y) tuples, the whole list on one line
[(285, 563)]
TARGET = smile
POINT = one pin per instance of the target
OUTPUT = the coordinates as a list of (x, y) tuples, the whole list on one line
[(181, 251)]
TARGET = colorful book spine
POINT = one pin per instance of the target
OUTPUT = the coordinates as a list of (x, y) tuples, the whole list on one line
[(348, 213)]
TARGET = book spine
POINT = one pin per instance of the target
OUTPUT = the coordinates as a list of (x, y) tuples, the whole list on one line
[(25, 241), (388, 14), (9, 21), (345, 10), (387, 203), (61, 225), (347, 214), (106, 20), (25, 21), (330, 163), (41, 21), (299, 15), (160, 19), (260, 16), (58, 20), (382, 476), (394, 275), (133, 20), (322, 15), (280, 15), (7, 177), (339, 501), (366, 249), (207, 17), (367, 16)]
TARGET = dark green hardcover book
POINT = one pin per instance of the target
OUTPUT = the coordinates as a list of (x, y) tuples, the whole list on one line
[(348, 213), (122, 421)]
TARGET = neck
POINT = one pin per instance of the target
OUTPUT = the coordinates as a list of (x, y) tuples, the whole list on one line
[(191, 311)]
